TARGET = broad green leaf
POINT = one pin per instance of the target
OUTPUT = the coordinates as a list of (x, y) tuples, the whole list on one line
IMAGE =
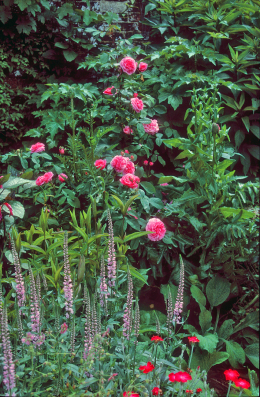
[(217, 290), (251, 320), (129, 202), (157, 203), (226, 211), (18, 209), (148, 186), (252, 352), (165, 179), (236, 353), (5, 14), (64, 46), (208, 342), (254, 150), (70, 55), (135, 235), (226, 329), (93, 238), (120, 203), (161, 109), (135, 273), (256, 130), (14, 182), (198, 295), (207, 360), (205, 319), (33, 247)]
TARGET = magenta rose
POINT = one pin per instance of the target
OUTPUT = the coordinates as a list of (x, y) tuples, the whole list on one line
[(100, 164), (128, 65), (137, 104), (143, 66), (37, 148)]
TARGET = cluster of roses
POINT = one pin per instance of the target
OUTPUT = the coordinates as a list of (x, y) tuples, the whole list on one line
[(129, 66), (125, 166)]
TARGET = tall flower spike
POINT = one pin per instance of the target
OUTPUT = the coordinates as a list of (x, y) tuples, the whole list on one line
[(38, 287), (1, 308), (127, 318), (169, 312), (88, 336), (111, 260), (136, 322), (9, 367), (178, 308), (103, 286), (19, 322), (34, 304), (72, 337), (67, 284), (20, 290)]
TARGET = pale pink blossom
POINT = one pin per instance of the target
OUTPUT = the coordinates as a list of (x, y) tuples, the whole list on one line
[(130, 181), (129, 168), (156, 226), (62, 176), (100, 164), (151, 128), (137, 105), (127, 130), (128, 65), (118, 163), (38, 147), (164, 184), (143, 66)]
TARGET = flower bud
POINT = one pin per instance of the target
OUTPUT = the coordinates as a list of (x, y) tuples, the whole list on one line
[(215, 129)]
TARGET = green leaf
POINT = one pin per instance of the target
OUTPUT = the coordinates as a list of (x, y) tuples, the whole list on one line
[(120, 203), (70, 55), (226, 329), (135, 235), (207, 360), (160, 109), (254, 150), (136, 36), (236, 353), (18, 209), (175, 101), (64, 46), (5, 14), (256, 130), (246, 122), (252, 352), (135, 273), (217, 290), (22, 4), (133, 223), (239, 138), (208, 342), (14, 182), (165, 179), (251, 320), (226, 211), (149, 7), (87, 19), (129, 202), (157, 203), (205, 319), (148, 186), (33, 247), (198, 295)]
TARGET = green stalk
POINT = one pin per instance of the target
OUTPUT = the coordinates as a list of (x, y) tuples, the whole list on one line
[(229, 386), (217, 319), (73, 136), (191, 353)]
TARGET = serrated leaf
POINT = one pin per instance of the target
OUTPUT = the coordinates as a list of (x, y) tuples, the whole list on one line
[(70, 55)]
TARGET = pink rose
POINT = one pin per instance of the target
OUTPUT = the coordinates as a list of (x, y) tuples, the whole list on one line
[(151, 128), (61, 150), (127, 151), (127, 130), (137, 105), (62, 176), (130, 181), (38, 147), (108, 91), (129, 168), (118, 163), (151, 163), (157, 226), (145, 162), (143, 66), (100, 164), (128, 65), (47, 177)]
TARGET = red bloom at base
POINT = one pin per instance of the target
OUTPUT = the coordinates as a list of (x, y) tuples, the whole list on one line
[(198, 390), (244, 384), (147, 368), (156, 339), (193, 339), (182, 377), (157, 391), (231, 374), (151, 128), (100, 164), (130, 180), (127, 130), (129, 168), (156, 226), (130, 394), (143, 66)]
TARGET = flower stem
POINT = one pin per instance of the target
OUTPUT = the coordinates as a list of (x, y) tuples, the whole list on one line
[(229, 386), (191, 353)]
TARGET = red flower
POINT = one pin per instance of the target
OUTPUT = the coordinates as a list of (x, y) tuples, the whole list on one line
[(231, 374), (193, 339), (189, 391), (145, 162), (62, 176), (127, 130), (135, 95), (108, 91), (182, 377), (151, 163), (151, 128), (112, 377), (147, 368), (156, 391), (156, 339), (100, 164), (172, 377), (118, 163), (38, 147), (130, 180), (143, 66), (129, 168), (127, 151), (47, 177), (9, 207), (63, 328), (128, 65), (61, 150), (137, 104), (198, 390), (130, 394), (244, 384)]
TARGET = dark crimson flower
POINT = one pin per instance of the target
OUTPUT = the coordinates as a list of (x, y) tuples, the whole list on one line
[(231, 374), (198, 390), (244, 384), (147, 368), (182, 377), (193, 339), (156, 339)]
